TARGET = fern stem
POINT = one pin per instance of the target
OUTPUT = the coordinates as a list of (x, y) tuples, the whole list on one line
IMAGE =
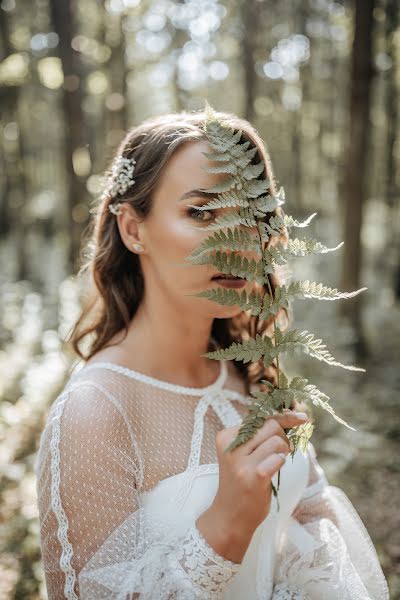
[(271, 295)]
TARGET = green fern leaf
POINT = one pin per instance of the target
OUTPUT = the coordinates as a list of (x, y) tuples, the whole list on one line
[(253, 171), (289, 342), (223, 186), (233, 239), (280, 254), (225, 200), (301, 289), (294, 340), (300, 436), (233, 264), (230, 219), (227, 297), (310, 393)]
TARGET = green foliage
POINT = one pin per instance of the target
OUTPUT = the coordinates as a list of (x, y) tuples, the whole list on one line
[(247, 191), (264, 306), (268, 349)]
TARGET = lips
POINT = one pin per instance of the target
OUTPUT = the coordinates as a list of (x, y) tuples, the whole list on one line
[(224, 276), (229, 281)]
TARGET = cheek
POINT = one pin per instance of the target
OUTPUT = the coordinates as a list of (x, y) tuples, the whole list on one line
[(176, 235)]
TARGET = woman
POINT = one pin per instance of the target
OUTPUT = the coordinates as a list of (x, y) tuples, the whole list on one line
[(137, 498)]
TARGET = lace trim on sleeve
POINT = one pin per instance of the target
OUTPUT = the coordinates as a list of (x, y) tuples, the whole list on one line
[(67, 550), (282, 592), (203, 565), (167, 567)]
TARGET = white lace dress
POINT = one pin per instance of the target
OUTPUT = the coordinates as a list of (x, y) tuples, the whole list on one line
[(125, 466)]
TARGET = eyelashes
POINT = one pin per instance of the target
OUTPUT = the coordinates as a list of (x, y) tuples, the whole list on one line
[(195, 211)]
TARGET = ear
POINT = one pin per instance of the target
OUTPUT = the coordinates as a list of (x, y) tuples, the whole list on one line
[(130, 227)]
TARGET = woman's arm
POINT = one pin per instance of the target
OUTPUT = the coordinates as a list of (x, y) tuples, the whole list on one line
[(97, 539)]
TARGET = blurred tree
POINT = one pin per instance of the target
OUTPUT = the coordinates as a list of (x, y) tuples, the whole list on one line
[(75, 135), (13, 188), (116, 112), (250, 16), (392, 191), (392, 100), (356, 169), (179, 38), (300, 13)]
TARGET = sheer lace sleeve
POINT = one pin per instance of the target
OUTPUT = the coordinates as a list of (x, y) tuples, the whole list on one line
[(97, 541), (325, 551)]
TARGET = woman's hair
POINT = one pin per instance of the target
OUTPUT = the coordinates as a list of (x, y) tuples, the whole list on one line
[(116, 283)]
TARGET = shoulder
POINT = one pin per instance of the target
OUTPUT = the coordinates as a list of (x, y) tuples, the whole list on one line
[(89, 405), (87, 420)]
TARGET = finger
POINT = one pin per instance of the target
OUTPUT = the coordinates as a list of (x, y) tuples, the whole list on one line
[(272, 445), (271, 465), (289, 417), (274, 425)]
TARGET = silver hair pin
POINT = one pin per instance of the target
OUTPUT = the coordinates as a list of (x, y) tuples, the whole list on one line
[(120, 180)]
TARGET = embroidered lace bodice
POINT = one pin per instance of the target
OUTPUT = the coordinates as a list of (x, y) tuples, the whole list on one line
[(127, 463)]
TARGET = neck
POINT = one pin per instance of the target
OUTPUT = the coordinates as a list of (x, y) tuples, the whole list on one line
[(168, 348)]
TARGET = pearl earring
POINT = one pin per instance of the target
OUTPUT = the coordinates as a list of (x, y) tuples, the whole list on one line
[(137, 247)]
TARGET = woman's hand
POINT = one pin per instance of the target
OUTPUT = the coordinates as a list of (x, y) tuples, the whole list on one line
[(243, 498)]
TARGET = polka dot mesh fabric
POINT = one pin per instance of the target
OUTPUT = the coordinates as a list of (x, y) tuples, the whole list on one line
[(112, 436)]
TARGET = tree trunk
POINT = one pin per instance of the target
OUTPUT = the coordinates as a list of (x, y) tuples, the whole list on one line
[(14, 190), (74, 127), (250, 10), (356, 168)]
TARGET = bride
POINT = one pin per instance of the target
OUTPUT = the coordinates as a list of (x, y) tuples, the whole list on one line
[(137, 498)]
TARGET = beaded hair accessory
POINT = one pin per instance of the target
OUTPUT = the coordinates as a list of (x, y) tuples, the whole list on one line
[(120, 180)]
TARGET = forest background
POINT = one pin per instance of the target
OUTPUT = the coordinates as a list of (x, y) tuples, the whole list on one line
[(320, 80)]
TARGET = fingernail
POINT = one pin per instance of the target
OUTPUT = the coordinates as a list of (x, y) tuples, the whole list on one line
[(301, 415), (281, 455)]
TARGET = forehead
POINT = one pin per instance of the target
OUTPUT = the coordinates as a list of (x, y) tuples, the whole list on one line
[(185, 169)]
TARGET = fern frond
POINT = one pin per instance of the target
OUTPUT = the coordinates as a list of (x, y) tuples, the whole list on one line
[(277, 224), (233, 239), (247, 189), (225, 200), (238, 154), (231, 219), (308, 392), (233, 264), (221, 138), (281, 253), (266, 404), (227, 297), (225, 168), (289, 341), (306, 247), (253, 171), (223, 186), (255, 187), (302, 289), (248, 350), (321, 292), (242, 159), (293, 340), (290, 222), (300, 436), (265, 204)]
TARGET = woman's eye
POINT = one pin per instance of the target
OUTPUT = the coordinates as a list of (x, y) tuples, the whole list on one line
[(195, 211)]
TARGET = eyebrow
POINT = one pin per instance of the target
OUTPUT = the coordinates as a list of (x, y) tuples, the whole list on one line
[(196, 194)]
